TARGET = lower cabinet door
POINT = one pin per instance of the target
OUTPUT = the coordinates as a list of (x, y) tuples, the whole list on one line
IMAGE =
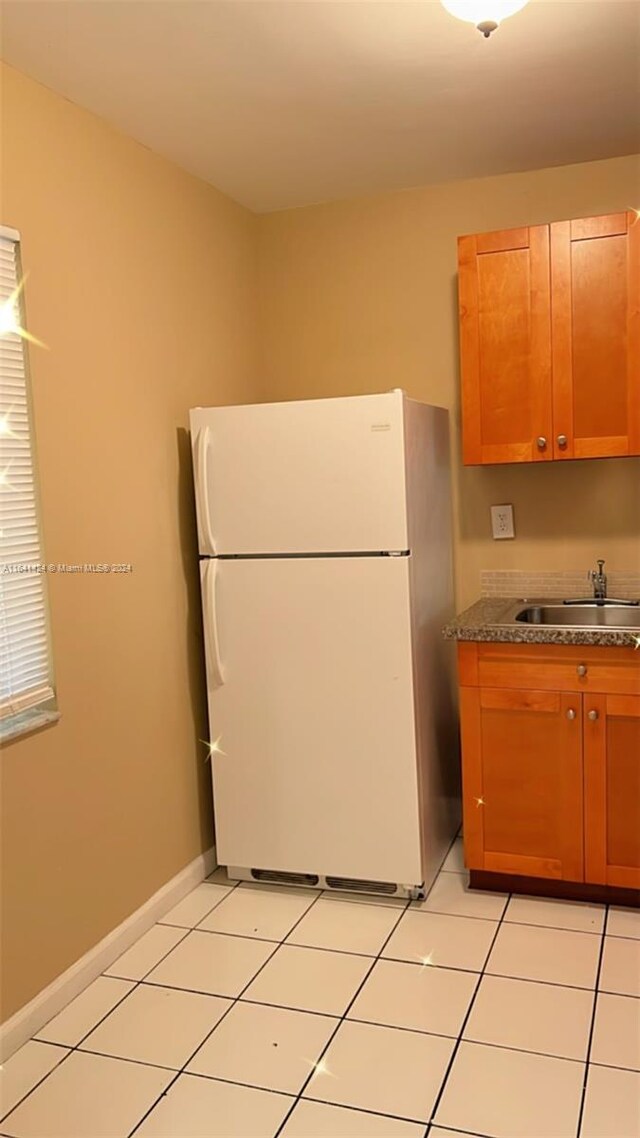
[(612, 789), (523, 782)]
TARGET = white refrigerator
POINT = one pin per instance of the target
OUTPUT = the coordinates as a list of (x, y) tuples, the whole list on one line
[(325, 555)]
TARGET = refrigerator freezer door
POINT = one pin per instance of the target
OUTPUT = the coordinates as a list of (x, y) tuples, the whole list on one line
[(315, 718), (319, 476)]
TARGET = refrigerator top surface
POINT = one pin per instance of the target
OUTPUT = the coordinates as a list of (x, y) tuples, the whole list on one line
[(320, 401)]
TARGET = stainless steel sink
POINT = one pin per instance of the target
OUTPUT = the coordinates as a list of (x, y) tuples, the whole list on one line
[(568, 616)]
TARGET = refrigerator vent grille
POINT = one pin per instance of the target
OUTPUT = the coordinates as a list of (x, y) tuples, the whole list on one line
[(285, 878), (357, 885)]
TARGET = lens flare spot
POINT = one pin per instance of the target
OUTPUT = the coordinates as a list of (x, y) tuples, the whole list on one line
[(9, 322), (5, 427), (214, 747), (10, 318), (319, 1068), (4, 478)]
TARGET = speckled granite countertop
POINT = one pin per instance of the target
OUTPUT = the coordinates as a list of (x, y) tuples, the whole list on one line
[(481, 622)]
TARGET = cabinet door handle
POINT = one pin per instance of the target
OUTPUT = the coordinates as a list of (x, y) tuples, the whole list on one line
[(582, 669), (541, 442), (562, 441), (571, 713), (593, 715)]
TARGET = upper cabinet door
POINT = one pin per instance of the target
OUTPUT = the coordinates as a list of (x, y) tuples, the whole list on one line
[(595, 299), (505, 343)]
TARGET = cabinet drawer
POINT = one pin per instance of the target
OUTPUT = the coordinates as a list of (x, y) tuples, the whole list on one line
[(551, 667)]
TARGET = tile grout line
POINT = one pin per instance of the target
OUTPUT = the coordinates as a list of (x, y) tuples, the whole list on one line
[(279, 944), (171, 925), (327, 1015), (370, 956), (76, 1046), (614, 1066), (40, 1081), (136, 984), (73, 1046), (498, 975), (453, 1130), (364, 1022), (409, 905), (400, 959), (593, 1022), (144, 980), (367, 1023), (342, 1018), (272, 940), (457, 837), (234, 1001), (379, 903), (431, 1122), (555, 928)]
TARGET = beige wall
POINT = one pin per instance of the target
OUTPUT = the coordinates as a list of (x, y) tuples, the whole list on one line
[(141, 281), (360, 296)]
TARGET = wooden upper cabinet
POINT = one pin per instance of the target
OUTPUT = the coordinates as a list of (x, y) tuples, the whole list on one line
[(522, 782), (612, 789), (595, 289), (550, 341), (505, 345)]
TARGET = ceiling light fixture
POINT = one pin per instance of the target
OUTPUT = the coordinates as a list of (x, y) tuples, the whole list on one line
[(485, 14)]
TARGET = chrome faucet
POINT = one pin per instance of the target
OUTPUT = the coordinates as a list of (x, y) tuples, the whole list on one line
[(598, 578)]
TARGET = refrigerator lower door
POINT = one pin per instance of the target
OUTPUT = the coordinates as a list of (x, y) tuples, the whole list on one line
[(311, 704)]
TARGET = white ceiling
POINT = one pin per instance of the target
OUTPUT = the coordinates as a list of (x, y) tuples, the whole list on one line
[(286, 102)]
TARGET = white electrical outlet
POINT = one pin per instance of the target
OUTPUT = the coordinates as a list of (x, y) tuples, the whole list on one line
[(502, 522)]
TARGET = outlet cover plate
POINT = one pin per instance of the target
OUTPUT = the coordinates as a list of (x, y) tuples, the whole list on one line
[(502, 522)]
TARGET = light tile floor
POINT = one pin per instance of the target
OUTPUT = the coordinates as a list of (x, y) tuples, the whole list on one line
[(256, 1012)]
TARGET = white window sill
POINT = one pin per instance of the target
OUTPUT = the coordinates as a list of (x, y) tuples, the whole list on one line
[(25, 722)]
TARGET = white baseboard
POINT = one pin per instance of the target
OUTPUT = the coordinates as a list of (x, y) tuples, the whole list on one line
[(29, 1019)]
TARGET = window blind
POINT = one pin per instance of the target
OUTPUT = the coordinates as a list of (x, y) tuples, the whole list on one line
[(25, 661)]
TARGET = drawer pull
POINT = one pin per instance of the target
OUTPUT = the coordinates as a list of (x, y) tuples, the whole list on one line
[(571, 713), (593, 715), (582, 669)]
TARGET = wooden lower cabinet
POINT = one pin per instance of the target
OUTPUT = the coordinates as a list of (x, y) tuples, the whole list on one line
[(522, 782), (551, 778), (612, 789)]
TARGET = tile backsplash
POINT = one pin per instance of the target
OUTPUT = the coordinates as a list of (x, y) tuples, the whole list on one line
[(522, 584)]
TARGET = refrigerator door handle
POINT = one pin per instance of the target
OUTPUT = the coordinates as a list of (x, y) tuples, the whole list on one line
[(215, 670), (202, 491)]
